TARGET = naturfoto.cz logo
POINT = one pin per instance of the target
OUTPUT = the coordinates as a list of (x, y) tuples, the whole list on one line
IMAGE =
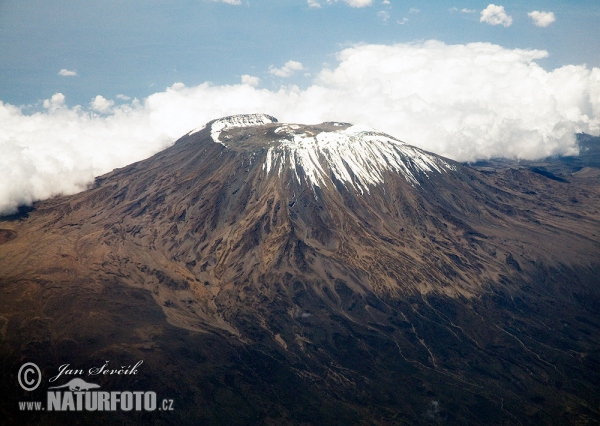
[(79, 395)]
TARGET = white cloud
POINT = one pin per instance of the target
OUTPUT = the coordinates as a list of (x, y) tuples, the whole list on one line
[(542, 19), (123, 97), (250, 80), (101, 104), (358, 3), (413, 10), (287, 70), (463, 10), (177, 86), (383, 15), (55, 102), (402, 21), (66, 73), (463, 101), (62, 149), (495, 15), (234, 2), (352, 3), (385, 2)]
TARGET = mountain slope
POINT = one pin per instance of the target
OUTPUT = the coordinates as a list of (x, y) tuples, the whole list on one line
[(388, 284)]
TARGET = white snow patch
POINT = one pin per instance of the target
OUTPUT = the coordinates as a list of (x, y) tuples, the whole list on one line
[(357, 156), (197, 129), (242, 120), (286, 128)]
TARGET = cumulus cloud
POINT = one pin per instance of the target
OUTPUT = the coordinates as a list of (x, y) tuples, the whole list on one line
[(61, 149), (55, 102), (495, 15), (250, 80), (287, 70), (542, 19), (123, 97), (66, 73), (101, 104), (314, 4), (465, 102)]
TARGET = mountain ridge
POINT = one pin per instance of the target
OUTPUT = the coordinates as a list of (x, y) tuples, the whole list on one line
[(464, 285)]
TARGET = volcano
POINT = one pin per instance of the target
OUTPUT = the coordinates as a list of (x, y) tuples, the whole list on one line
[(272, 273)]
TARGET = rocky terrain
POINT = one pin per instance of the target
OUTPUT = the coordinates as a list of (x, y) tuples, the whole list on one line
[(271, 273)]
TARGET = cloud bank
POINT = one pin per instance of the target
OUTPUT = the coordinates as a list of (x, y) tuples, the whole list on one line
[(465, 102)]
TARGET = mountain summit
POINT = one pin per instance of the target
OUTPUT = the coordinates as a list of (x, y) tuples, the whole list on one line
[(353, 155), (389, 285)]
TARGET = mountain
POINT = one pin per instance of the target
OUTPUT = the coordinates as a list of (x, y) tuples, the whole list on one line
[(271, 273)]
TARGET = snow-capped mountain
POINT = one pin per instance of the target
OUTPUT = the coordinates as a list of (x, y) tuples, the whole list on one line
[(355, 155), (273, 273)]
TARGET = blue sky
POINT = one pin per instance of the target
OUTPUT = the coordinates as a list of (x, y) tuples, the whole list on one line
[(139, 47), (88, 86)]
